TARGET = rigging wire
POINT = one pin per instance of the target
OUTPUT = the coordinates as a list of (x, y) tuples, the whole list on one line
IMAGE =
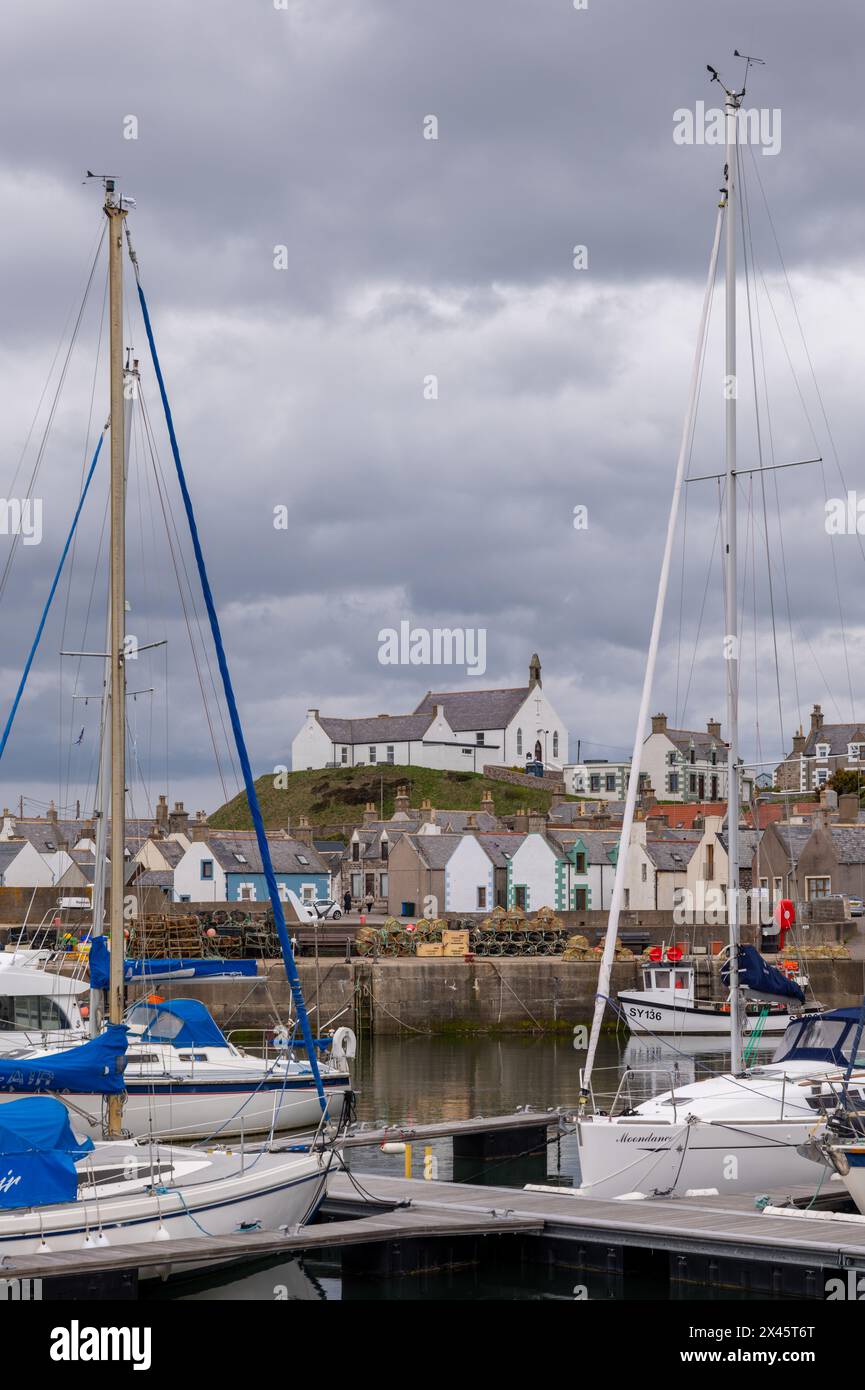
[(40, 453)]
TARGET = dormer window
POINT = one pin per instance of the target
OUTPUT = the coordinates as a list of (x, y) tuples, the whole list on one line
[(822, 750), (854, 752), (355, 851), (693, 756), (384, 849)]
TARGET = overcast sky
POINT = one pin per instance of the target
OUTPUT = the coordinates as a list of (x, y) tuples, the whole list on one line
[(260, 127)]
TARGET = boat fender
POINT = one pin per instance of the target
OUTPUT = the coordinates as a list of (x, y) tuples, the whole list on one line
[(344, 1045)]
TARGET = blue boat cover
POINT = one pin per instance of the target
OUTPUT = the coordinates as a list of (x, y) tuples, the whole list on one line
[(100, 966), (91, 1067), (756, 975), (183, 1022), (37, 1153)]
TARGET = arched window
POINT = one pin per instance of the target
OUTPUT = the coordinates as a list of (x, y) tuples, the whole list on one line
[(519, 740), (556, 744)]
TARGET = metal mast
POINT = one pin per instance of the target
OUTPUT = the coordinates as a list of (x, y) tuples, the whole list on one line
[(731, 639), (115, 213)]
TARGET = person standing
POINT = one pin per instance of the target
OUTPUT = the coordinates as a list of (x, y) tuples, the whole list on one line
[(346, 902)]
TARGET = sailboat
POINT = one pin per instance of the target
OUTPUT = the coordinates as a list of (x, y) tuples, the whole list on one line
[(128, 1190), (741, 1130)]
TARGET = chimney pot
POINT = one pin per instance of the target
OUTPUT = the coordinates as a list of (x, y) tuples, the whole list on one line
[(659, 723)]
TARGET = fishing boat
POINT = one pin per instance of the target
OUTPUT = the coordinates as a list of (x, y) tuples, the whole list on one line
[(672, 1001), (739, 1131)]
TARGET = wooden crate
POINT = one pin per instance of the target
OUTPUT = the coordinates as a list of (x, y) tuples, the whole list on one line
[(455, 952), (456, 939), (431, 949)]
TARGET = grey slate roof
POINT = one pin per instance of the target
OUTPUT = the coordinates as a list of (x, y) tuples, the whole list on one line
[(837, 736), (283, 852), (501, 848), (671, 856), (475, 709), (793, 837), (384, 728), (436, 850), (748, 842), (849, 842), (703, 742), (456, 820), (599, 843), (9, 851)]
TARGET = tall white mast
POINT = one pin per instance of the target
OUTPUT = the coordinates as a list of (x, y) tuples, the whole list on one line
[(115, 213), (731, 640), (606, 966), (104, 778)]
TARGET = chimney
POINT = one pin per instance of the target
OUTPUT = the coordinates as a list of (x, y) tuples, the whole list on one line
[(427, 812), (304, 831), (535, 672), (816, 719), (848, 808), (312, 714), (401, 801), (647, 791), (537, 822), (659, 723), (656, 824), (52, 813), (162, 813), (521, 821), (713, 728), (487, 803), (471, 822), (197, 831), (369, 814), (178, 819), (799, 741)]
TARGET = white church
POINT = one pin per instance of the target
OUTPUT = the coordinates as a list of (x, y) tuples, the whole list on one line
[(455, 729)]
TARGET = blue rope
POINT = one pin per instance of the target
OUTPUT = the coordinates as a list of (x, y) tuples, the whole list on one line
[(249, 783), (26, 672)]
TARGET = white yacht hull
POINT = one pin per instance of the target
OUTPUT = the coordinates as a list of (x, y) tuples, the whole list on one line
[(266, 1193), (642, 1017), (620, 1156), (189, 1112)]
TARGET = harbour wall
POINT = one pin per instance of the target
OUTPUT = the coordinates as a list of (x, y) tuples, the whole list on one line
[(452, 996)]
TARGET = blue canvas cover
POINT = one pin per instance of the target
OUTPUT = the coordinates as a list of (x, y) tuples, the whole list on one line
[(37, 1153), (760, 978), (182, 1022), (92, 1067), (100, 966)]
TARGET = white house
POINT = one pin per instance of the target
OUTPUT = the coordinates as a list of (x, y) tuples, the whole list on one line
[(597, 777), (227, 867), (685, 764), (656, 870), (22, 866), (461, 730), (532, 873)]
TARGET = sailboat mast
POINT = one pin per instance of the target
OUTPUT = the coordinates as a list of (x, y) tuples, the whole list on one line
[(731, 641), (116, 213)]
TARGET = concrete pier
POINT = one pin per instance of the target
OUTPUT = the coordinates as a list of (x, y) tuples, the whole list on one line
[(506, 994)]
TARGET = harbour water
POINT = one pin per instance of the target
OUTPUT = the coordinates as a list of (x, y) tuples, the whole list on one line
[(420, 1078)]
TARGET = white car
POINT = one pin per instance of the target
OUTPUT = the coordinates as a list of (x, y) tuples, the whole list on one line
[(315, 911)]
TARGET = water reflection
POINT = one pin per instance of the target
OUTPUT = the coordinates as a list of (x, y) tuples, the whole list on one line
[(415, 1079)]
